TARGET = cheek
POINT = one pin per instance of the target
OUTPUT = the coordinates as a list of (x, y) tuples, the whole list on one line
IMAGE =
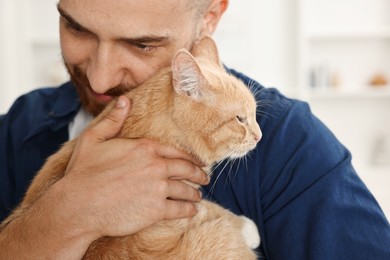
[(76, 51), (229, 134), (143, 67), (140, 68)]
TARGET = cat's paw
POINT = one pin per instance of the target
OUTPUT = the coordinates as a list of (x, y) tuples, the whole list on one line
[(250, 233)]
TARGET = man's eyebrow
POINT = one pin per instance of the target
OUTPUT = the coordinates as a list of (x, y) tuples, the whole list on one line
[(145, 39), (70, 19), (136, 40)]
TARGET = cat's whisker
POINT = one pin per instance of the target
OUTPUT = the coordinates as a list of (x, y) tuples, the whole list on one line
[(257, 93), (235, 150), (253, 86), (216, 167), (229, 154), (217, 178), (261, 113), (246, 162), (255, 89), (231, 162), (233, 175)]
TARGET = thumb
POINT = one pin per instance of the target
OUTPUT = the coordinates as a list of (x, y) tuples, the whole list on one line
[(111, 123)]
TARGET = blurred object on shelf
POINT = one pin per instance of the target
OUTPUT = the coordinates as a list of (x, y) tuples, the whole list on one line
[(323, 78), (320, 76), (380, 153), (335, 80), (379, 80)]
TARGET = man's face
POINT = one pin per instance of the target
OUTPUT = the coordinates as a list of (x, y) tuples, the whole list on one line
[(111, 46)]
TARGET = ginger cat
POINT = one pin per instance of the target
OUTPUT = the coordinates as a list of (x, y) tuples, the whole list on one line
[(196, 106)]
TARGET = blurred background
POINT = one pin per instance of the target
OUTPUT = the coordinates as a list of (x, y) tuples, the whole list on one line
[(334, 54)]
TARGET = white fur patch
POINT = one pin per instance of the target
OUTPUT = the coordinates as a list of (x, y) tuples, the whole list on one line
[(202, 211), (250, 233)]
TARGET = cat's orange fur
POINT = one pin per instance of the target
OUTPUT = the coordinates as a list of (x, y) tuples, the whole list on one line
[(195, 106)]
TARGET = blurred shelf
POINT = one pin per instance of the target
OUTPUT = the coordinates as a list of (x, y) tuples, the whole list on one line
[(374, 169), (346, 34), (332, 93)]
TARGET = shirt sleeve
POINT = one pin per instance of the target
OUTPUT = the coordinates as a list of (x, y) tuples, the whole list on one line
[(314, 204)]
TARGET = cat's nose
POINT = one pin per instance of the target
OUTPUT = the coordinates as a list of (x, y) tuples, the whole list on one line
[(257, 134)]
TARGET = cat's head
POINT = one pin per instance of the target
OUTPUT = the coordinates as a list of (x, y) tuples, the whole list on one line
[(215, 111)]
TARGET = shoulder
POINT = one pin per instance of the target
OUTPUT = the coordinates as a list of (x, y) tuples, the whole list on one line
[(278, 114), (39, 104), (271, 103), (290, 121), (37, 110), (44, 100)]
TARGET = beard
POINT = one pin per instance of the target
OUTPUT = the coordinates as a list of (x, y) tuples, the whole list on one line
[(84, 91)]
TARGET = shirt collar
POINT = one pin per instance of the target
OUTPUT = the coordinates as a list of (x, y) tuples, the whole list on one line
[(64, 102)]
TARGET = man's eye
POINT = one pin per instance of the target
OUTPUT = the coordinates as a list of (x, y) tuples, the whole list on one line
[(73, 27), (144, 47)]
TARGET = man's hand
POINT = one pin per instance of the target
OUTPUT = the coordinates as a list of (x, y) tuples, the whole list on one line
[(120, 186)]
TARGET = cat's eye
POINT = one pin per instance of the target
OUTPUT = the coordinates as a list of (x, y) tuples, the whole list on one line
[(241, 119)]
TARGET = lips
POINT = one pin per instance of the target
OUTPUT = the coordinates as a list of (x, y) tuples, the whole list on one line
[(101, 98)]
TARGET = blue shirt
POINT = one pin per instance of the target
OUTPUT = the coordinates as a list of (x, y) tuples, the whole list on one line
[(298, 185)]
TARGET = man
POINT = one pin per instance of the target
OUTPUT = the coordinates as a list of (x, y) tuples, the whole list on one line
[(298, 186)]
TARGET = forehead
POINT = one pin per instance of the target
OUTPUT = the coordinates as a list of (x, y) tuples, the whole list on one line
[(118, 16)]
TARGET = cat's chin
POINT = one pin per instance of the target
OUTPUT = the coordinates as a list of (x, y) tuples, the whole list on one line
[(238, 155), (242, 151)]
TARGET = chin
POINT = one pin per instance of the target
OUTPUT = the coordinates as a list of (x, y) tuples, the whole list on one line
[(241, 151)]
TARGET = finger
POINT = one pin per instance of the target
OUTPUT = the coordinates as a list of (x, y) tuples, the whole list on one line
[(174, 153), (185, 170), (180, 209), (178, 190), (112, 122)]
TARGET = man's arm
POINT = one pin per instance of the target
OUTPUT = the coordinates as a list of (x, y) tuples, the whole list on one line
[(45, 231), (137, 181)]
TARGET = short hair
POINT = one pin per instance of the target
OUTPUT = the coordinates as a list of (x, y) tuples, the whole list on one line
[(200, 6)]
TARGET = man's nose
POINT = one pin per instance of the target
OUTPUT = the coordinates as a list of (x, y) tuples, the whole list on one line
[(105, 70)]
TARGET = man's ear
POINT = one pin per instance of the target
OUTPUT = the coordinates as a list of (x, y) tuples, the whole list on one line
[(213, 14)]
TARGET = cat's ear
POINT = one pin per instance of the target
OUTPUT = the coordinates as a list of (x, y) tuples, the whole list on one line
[(187, 76), (207, 48)]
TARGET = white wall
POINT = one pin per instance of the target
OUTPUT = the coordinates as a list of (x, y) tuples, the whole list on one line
[(259, 38), (29, 48), (9, 59)]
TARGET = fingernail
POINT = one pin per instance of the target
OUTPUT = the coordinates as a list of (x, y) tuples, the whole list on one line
[(121, 103)]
